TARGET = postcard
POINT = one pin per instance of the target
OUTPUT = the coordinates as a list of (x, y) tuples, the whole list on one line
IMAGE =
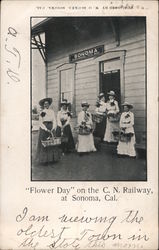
[(79, 125)]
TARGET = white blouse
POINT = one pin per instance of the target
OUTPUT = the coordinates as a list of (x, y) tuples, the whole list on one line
[(49, 117), (81, 118), (127, 121), (112, 108), (102, 108), (63, 115)]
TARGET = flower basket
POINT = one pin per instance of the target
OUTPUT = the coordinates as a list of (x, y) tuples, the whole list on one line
[(84, 131), (51, 141), (98, 118), (113, 117), (116, 135), (125, 137)]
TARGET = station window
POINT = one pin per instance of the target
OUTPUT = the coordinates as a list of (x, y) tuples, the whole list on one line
[(66, 84)]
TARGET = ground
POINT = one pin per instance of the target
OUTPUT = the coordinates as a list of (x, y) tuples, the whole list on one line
[(103, 165)]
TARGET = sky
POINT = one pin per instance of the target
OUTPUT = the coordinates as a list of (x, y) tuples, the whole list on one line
[(37, 20)]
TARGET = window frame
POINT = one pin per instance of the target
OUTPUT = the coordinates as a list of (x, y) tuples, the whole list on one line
[(67, 66)]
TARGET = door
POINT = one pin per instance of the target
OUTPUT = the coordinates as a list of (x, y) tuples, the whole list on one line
[(110, 74), (110, 80)]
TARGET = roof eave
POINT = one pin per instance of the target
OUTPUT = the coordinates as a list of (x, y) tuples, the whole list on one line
[(41, 26)]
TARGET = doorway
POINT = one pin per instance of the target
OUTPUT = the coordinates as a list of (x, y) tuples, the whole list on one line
[(110, 80)]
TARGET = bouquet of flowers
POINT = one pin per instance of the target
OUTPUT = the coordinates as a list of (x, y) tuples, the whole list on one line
[(125, 137), (63, 121), (97, 104), (98, 118), (43, 114), (116, 135), (83, 129), (113, 116)]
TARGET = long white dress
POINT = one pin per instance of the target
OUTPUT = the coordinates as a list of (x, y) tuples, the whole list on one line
[(111, 126), (127, 122), (85, 142)]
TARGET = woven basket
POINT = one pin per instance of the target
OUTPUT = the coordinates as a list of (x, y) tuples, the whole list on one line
[(116, 135), (125, 137), (97, 118), (84, 131), (114, 117), (51, 142)]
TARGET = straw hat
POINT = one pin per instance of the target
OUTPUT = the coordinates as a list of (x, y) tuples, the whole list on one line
[(111, 92), (101, 95), (64, 102), (85, 104), (47, 99), (127, 104)]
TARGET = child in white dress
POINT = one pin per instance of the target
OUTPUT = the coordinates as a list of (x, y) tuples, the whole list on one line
[(126, 144)]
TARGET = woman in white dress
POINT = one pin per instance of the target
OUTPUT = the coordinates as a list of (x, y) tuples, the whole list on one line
[(85, 140), (112, 125), (126, 144)]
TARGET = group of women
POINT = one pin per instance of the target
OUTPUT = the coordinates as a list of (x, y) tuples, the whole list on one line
[(50, 128), (114, 127), (109, 126)]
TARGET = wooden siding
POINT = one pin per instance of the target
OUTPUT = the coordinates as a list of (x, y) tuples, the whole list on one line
[(132, 39)]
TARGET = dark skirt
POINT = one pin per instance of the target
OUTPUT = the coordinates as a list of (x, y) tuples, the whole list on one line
[(67, 133), (100, 129), (47, 154)]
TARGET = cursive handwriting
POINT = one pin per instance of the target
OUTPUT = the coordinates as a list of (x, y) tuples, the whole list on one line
[(13, 57), (38, 232), (35, 218), (86, 219)]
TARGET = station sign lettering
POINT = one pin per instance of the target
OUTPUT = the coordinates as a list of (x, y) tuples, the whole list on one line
[(85, 54)]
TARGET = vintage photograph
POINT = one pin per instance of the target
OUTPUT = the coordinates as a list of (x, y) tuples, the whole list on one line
[(88, 96), (79, 125)]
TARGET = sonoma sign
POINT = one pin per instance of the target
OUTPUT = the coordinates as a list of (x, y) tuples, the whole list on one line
[(85, 54)]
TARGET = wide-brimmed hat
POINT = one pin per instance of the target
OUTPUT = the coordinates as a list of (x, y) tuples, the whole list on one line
[(111, 92), (64, 102), (47, 99), (101, 95), (84, 104), (129, 105)]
